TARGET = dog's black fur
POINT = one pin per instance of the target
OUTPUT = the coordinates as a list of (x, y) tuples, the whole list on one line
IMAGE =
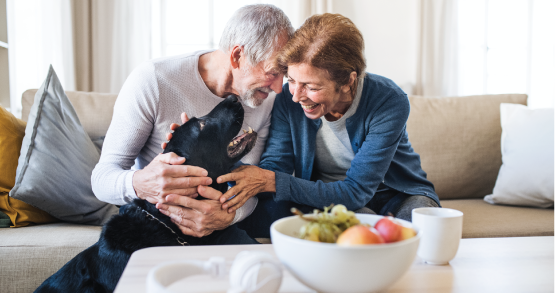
[(205, 142), (213, 133)]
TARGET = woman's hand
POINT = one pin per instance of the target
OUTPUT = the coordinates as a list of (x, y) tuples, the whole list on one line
[(173, 126), (249, 181)]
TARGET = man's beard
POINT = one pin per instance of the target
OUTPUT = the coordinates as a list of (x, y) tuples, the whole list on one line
[(250, 100)]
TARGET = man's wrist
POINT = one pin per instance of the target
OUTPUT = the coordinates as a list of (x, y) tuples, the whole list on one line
[(135, 181), (130, 191)]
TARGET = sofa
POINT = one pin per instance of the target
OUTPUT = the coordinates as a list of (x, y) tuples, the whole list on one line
[(458, 139)]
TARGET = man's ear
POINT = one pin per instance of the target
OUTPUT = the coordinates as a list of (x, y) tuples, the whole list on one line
[(236, 54)]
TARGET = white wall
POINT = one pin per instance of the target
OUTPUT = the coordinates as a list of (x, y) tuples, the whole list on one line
[(390, 30)]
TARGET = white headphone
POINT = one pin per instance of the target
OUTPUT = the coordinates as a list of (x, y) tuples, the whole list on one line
[(251, 272)]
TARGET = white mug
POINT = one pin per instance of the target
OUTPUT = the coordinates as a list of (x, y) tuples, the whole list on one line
[(441, 233)]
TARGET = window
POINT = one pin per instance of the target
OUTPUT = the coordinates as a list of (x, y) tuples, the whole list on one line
[(182, 26), (507, 46)]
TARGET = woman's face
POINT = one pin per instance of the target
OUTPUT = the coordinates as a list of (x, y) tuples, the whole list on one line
[(317, 94)]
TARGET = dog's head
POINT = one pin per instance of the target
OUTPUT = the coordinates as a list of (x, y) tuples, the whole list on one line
[(210, 141)]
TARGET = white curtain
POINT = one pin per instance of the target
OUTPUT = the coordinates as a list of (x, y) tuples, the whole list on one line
[(129, 25), (438, 60), (130, 40), (299, 10), (94, 44), (40, 34), (121, 41)]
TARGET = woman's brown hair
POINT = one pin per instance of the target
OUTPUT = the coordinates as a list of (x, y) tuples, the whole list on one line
[(330, 42)]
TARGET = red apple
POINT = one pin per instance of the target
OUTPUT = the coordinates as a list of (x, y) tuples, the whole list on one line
[(389, 229), (359, 234)]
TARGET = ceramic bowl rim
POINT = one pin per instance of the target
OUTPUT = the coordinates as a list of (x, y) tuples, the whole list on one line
[(340, 247)]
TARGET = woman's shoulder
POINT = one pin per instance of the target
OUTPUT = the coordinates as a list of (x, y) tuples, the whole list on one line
[(379, 85), (381, 94)]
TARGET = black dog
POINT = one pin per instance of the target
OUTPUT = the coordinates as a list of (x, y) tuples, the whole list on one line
[(213, 146), (206, 142)]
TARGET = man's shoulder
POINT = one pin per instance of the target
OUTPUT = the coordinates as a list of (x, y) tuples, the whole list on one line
[(177, 64), (179, 58)]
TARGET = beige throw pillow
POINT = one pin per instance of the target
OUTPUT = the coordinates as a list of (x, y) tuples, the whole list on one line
[(526, 176)]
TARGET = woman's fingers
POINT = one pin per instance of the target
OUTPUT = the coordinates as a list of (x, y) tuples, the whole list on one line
[(229, 177), (184, 118), (236, 202), (229, 194), (240, 195), (238, 205)]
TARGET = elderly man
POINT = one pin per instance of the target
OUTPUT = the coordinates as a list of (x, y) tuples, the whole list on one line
[(158, 91)]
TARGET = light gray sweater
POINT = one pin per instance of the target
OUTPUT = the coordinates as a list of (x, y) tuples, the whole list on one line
[(153, 97)]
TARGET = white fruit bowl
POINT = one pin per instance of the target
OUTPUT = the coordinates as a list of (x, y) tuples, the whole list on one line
[(327, 267)]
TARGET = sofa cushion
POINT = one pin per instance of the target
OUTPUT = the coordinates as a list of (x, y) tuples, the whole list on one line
[(482, 219), (30, 255), (459, 141)]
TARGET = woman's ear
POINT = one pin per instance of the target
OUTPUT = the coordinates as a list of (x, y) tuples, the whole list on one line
[(349, 86)]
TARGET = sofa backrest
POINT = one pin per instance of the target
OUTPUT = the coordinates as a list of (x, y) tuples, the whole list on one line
[(458, 138), (94, 109), (459, 141)]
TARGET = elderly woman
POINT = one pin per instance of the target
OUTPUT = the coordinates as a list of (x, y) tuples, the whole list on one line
[(340, 131)]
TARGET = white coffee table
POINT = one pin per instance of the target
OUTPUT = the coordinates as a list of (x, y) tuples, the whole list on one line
[(518, 264)]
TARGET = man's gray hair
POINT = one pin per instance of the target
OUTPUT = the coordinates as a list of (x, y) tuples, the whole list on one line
[(258, 28)]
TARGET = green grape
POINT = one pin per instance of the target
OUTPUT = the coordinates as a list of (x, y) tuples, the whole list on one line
[(339, 214), (326, 233), (304, 230), (327, 225)]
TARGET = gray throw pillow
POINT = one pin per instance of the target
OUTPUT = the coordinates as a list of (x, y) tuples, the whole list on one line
[(98, 142), (57, 159)]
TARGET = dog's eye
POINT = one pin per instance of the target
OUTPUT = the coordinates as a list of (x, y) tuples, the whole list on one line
[(202, 123)]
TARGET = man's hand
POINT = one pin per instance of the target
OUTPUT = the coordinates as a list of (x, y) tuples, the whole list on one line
[(249, 181), (197, 218), (173, 126), (166, 175)]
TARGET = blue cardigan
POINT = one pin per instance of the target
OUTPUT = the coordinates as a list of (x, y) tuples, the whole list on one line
[(383, 153)]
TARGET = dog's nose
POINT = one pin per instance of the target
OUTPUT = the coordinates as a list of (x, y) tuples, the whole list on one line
[(232, 97)]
